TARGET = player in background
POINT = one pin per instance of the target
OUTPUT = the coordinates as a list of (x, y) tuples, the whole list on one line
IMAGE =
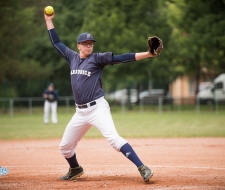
[(92, 109), (51, 97)]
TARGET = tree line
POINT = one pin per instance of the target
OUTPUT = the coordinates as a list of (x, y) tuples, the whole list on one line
[(193, 34)]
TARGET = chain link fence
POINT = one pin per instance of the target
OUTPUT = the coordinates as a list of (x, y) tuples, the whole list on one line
[(35, 105)]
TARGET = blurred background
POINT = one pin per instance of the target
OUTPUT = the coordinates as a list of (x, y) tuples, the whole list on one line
[(189, 74)]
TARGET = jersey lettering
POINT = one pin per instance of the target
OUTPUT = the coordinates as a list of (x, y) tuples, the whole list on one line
[(81, 72)]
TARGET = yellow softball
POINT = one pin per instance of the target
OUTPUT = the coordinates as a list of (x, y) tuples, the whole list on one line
[(49, 10)]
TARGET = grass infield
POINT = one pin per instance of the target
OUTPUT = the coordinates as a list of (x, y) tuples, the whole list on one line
[(129, 124)]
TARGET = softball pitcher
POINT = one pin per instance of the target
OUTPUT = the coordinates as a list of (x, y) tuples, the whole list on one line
[(91, 107)]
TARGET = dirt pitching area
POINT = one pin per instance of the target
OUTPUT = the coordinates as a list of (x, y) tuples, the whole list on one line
[(178, 163)]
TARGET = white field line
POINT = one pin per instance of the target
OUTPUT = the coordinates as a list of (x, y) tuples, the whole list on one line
[(122, 165), (190, 187)]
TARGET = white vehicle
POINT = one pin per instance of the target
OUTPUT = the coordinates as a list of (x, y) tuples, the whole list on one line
[(204, 85), (152, 96), (214, 92), (151, 93), (122, 96)]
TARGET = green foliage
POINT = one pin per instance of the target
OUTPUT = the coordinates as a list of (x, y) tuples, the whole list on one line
[(15, 33), (68, 20), (198, 34), (192, 33), (208, 32), (124, 26)]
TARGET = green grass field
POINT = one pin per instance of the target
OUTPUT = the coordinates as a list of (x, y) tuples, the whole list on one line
[(129, 124)]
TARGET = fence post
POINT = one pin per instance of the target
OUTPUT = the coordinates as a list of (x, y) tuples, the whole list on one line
[(11, 107), (141, 106), (67, 104), (160, 104), (30, 106), (179, 104), (123, 102), (198, 106), (216, 106)]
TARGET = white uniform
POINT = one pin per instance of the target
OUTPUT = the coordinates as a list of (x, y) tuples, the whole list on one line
[(50, 107), (86, 83), (98, 116), (91, 107)]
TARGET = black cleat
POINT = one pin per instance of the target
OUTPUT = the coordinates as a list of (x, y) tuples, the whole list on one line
[(145, 172), (73, 173)]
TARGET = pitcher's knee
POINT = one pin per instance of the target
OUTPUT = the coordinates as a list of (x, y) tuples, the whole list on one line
[(117, 142), (66, 152)]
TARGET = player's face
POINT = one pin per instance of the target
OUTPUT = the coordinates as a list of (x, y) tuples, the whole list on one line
[(85, 48), (50, 88)]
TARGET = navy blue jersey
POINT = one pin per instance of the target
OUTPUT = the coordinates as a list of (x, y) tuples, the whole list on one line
[(51, 95), (86, 73)]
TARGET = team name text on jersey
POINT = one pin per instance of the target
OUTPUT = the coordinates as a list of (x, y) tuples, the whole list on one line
[(81, 72)]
